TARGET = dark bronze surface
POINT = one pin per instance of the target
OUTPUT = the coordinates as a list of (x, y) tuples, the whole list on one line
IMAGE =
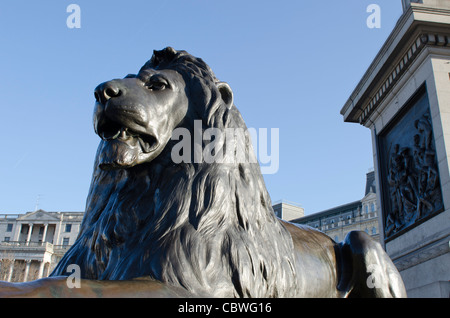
[(412, 190), (196, 228)]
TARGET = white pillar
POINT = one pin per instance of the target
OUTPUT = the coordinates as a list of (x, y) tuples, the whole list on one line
[(27, 269), (17, 232), (30, 229), (11, 269), (45, 233), (41, 269)]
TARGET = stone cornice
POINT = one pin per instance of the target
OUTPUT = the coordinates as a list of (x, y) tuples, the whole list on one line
[(424, 9), (399, 69), (414, 31)]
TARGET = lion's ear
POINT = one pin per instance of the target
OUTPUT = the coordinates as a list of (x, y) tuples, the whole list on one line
[(226, 92)]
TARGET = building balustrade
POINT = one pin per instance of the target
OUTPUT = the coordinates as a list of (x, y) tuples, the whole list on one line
[(23, 245)]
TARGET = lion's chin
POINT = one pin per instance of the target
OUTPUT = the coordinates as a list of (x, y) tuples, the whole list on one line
[(118, 154)]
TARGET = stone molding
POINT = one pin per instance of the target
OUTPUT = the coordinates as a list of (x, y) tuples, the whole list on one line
[(423, 254), (423, 40)]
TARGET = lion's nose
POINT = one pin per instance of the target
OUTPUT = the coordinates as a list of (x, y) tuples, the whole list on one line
[(106, 91)]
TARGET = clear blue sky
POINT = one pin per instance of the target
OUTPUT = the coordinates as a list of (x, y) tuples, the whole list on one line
[(291, 64)]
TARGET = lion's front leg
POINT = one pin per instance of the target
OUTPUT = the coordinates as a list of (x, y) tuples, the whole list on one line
[(53, 287), (57, 287), (42, 288), (370, 271)]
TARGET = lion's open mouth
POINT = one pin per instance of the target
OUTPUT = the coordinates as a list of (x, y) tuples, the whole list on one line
[(113, 131)]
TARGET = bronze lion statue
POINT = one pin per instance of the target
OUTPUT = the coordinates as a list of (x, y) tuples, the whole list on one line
[(162, 221)]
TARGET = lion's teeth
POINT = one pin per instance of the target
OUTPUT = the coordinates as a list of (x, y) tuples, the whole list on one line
[(123, 133), (116, 135)]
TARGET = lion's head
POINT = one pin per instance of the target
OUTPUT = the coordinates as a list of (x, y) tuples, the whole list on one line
[(135, 116), (205, 226)]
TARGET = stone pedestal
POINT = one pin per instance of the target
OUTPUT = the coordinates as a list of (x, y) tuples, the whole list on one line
[(404, 98)]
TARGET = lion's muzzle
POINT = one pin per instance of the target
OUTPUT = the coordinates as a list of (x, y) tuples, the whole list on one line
[(121, 122), (135, 116)]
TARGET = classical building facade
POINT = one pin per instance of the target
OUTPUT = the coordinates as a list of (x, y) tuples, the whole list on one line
[(31, 244), (361, 215)]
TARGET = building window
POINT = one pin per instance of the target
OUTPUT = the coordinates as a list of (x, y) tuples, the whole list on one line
[(374, 230), (372, 207), (68, 228), (7, 239), (65, 241), (9, 227)]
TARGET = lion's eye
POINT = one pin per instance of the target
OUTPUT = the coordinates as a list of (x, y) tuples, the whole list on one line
[(157, 84)]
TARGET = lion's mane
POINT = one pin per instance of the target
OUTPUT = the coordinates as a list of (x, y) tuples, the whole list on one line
[(207, 227)]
